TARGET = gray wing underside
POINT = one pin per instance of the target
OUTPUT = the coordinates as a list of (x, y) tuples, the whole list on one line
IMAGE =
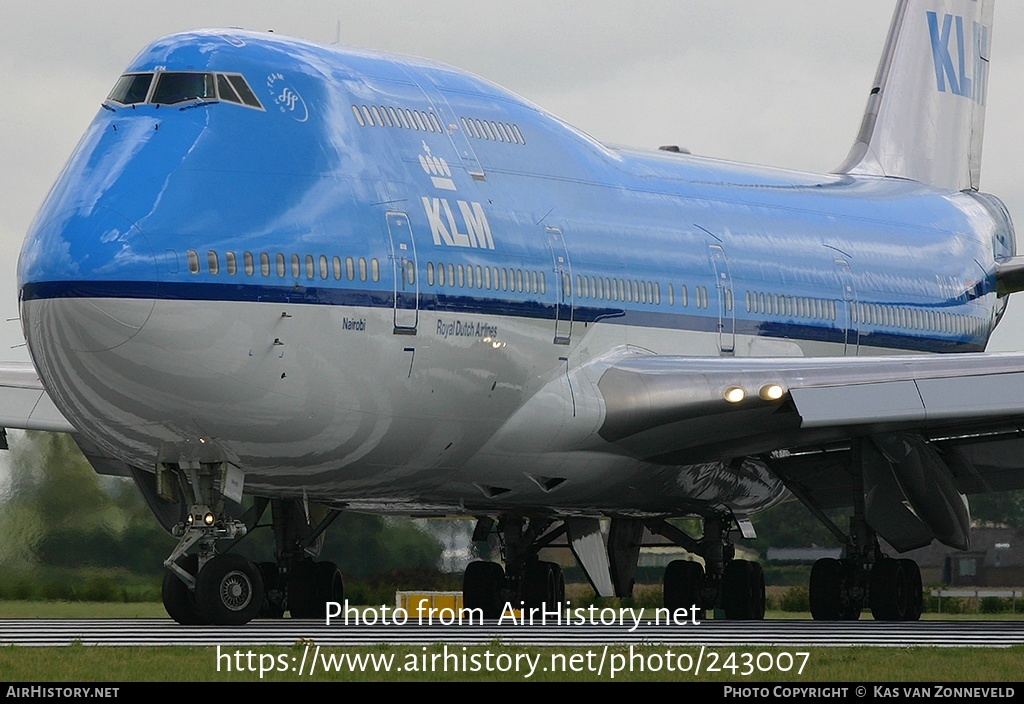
[(24, 403), (935, 425)]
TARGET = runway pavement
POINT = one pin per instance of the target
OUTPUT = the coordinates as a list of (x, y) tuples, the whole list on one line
[(159, 632)]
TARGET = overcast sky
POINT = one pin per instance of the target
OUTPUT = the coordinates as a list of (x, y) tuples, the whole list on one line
[(781, 82)]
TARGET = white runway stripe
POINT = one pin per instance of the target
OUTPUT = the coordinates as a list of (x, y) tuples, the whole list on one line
[(124, 632)]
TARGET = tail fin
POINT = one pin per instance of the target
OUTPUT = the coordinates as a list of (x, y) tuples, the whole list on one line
[(925, 118)]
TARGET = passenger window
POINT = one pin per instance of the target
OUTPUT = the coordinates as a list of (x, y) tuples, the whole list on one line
[(296, 266), (193, 261), (375, 269), (368, 117), (440, 275), (264, 263), (212, 262), (325, 269), (451, 274), (359, 116), (362, 269), (337, 267), (410, 272), (250, 267), (282, 270), (487, 278), (350, 269), (519, 135), (376, 115), (394, 117), (480, 277), (430, 273), (232, 263), (462, 276), (543, 283), (310, 267)]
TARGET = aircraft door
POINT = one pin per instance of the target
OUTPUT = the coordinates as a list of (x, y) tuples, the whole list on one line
[(726, 307), (403, 258), (457, 135), (562, 287), (846, 315)]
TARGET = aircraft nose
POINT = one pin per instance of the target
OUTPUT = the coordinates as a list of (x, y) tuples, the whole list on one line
[(98, 274)]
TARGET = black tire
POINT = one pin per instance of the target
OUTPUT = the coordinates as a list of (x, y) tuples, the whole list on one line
[(543, 586), (482, 586), (889, 592), (302, 591), (741, 591), (179, 600), (826, 590), (760, 598), (330, 585), (229, 590), (273, 594), (684, 582), (915, 590)]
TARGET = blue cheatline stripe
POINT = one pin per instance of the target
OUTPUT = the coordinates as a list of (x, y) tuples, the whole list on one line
[(454, 304)]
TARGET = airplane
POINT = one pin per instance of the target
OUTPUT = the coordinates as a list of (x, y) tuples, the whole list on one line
[(340, 280)]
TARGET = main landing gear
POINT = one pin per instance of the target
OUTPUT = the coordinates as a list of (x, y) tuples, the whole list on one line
[(865, 577), (734, 585), (525, 581), (211, 586), (737, 586)]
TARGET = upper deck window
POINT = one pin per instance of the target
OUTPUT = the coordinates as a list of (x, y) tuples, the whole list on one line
[(174, 88), (131, 88)]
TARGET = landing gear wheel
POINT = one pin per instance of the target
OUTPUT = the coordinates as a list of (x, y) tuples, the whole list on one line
[(684, 582), (889, 595), (915, 590), (273, 596), (330, 585), (743, 591), (179, 600), (229, 590), (302, 590), (311, 585), (482, 586), (830, 579), (544, 585)]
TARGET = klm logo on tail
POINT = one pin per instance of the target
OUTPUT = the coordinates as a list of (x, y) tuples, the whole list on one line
[(960, 67)]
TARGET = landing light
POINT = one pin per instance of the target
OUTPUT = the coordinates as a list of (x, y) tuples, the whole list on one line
[(735, 394), (772, 392), (209, 519)]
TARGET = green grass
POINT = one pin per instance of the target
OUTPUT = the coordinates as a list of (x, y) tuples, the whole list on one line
[(95, 664)]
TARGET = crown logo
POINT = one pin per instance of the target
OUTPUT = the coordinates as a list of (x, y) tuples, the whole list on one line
[(438, 169)]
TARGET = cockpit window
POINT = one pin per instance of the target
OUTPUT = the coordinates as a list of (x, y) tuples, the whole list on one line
[(226, 91), (244, 91), (174, 88), (131, 88)]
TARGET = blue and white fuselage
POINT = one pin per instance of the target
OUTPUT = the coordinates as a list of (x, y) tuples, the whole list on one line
[(390, 284)]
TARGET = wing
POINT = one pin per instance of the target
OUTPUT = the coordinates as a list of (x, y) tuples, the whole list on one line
[(919, 431), (24, 403)]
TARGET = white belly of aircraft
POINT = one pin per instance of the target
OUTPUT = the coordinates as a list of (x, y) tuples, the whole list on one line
[(330, 402)]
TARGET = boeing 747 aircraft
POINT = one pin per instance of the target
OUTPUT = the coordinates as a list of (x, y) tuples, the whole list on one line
[(341, 280)]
